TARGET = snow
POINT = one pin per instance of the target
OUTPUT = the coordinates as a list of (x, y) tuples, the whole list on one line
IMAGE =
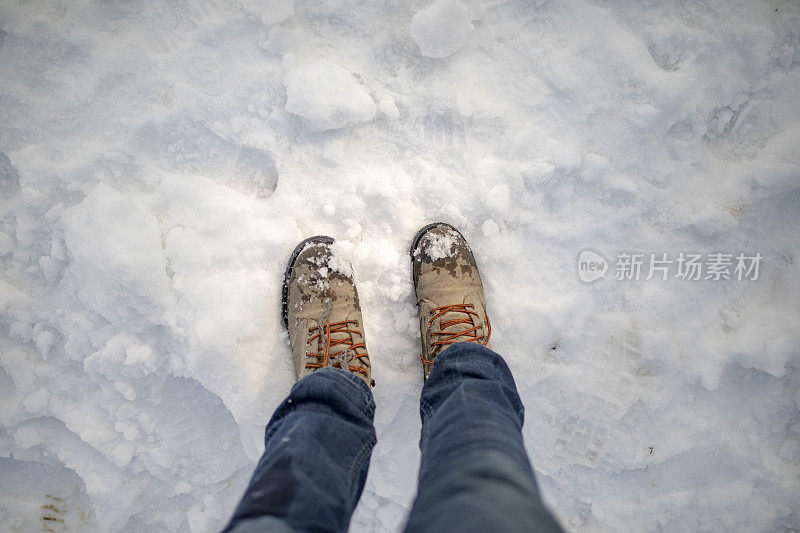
[(438, 245), (116, 267), (441, 29), (158, 164), (327, 96)]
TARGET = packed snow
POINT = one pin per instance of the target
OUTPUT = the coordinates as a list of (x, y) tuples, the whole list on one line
[(159, 161)]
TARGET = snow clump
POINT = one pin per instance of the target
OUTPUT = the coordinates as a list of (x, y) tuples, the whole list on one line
[(116, 268), (327, 96), (439, 245), (442, 28)]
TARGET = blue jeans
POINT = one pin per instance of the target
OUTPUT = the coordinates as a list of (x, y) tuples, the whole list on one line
[(474, 476)]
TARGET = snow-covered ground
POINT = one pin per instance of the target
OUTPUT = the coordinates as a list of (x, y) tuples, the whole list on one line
[(160, 159)]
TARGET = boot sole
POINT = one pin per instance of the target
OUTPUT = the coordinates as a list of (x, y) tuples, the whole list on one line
[(318, 239)]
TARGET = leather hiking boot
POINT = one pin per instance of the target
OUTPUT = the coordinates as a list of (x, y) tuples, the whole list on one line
[(452, 307), (321, 311)]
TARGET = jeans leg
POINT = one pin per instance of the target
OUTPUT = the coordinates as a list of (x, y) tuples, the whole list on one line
[(318, 445), (475, 474)]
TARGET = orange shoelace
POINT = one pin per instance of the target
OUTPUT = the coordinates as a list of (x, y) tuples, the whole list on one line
[(342, 359), (450, 337)]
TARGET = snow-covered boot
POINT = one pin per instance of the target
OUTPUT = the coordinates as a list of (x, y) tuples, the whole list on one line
[(452, 306), (322, 312)]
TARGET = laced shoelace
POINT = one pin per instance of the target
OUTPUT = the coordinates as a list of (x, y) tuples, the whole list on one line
[(446, 338), (343, 359)]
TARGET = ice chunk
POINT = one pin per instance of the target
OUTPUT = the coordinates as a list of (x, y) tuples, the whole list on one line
[(117, 265), (442, 28), (327, 96)]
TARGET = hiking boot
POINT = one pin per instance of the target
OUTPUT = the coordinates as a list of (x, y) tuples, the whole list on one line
[(452, 307), (321, 311)]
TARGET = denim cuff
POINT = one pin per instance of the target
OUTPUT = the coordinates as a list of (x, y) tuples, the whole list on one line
[(354, 385)]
